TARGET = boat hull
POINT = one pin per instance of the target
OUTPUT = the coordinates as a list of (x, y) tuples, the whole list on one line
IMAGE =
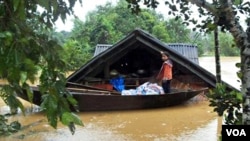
[(129, 102), (110, 102)]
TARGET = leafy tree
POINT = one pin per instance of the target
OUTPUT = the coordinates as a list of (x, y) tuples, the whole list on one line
[(157, 30), (178, 31), (76, 55), (197, 38), (61, 36), (110, 23), (28, 49), (208, 43), (217, 13), (227, 45)]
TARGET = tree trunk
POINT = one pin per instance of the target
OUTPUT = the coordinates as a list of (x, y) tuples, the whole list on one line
[(217, 56), (245, 62)]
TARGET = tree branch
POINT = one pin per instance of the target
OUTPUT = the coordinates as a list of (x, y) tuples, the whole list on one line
[(206, 5)]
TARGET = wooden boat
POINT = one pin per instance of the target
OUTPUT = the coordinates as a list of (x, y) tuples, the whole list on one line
[(100, 102), (96, 99)]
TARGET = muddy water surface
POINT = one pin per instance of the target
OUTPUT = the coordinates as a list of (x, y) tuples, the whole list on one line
[(228, 68), (174, 123), (192, 121)]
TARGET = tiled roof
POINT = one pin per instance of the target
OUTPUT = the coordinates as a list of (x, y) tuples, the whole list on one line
[(100, 48), (188, 50)]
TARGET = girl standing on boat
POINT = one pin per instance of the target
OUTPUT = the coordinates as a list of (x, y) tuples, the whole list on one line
[(165, 74)]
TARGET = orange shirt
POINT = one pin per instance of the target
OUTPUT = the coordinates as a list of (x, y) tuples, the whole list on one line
[(166, 71)]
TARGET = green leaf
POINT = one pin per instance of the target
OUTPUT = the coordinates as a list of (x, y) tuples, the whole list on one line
[(29, 92), (14, 103), (20, 9), (238, 65), (7, 37), (239, 96), (50, 105), (5, 34), (49, 102), (72, 100), (52, 118), (16, 4), (237, 2), (15, 126), (23, 77), (43, 3), (68, 118)]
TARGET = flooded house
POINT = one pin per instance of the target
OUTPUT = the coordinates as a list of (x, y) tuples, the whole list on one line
[(137, 59), (133, 63)]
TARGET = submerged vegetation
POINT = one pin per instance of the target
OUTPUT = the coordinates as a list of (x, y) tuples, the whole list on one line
[(8, 129)]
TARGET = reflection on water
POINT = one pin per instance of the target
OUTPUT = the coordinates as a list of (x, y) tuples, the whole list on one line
[(193, 121)]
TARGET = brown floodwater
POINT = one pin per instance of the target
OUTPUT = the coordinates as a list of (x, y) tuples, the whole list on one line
[(192, 121), (228, 68), (173, 123)]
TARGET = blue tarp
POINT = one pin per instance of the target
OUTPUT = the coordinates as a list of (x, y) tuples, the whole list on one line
[(118, 83)]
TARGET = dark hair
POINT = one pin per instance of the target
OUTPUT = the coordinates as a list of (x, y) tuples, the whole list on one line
[(165, 53)]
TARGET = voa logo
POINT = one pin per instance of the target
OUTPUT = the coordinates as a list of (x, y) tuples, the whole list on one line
[(236, 132)]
